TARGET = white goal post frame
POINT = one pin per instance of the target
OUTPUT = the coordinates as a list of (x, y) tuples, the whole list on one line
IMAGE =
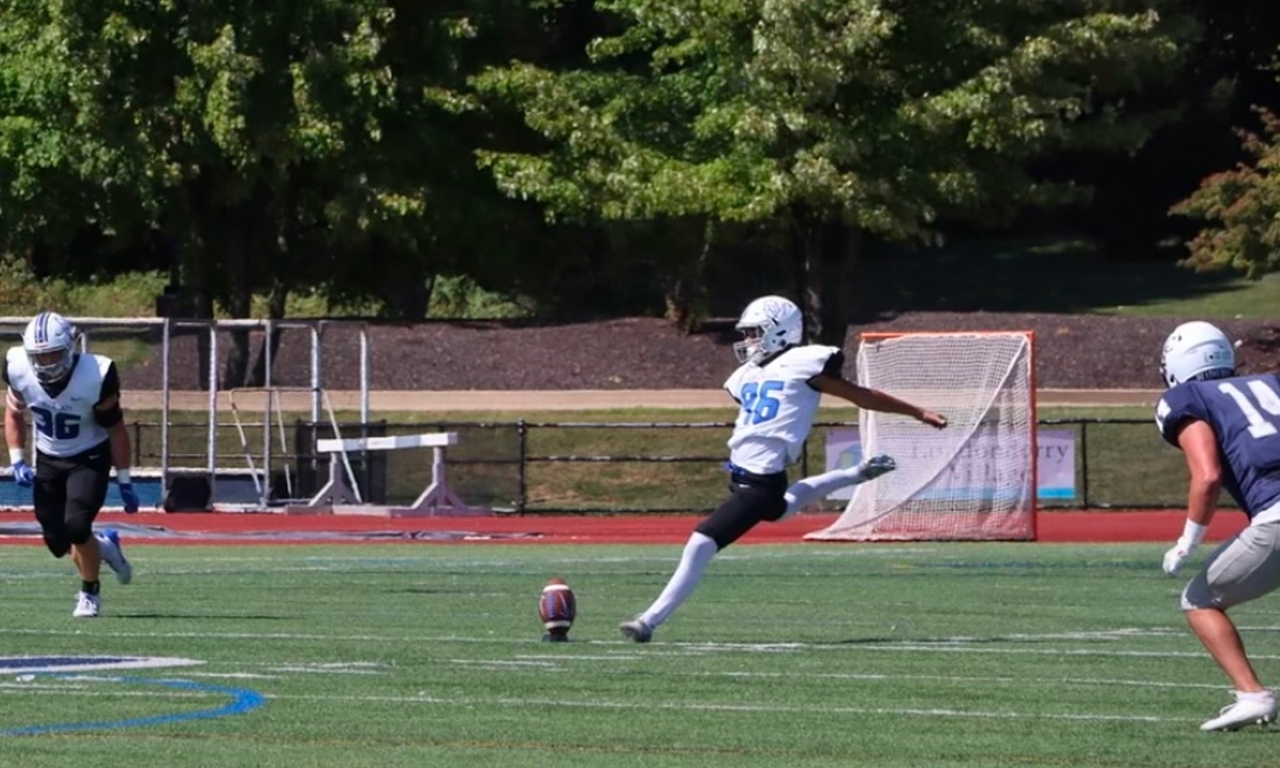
[(1031, 505)]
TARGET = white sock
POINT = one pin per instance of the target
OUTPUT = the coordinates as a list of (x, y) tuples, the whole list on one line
[(804, 492), (1253, 695), (697, 553)]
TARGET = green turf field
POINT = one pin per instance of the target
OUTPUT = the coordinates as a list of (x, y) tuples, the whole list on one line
[(429, 655)]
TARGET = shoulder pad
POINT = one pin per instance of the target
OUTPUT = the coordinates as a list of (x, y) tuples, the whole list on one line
[(16, 356), (103, 362), (1176, 406), (803, 362)]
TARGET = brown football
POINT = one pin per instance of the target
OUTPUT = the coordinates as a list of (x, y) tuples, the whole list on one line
[(557, 608)]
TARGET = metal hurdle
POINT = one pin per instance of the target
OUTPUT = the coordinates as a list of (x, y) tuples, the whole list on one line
[(341, 495)]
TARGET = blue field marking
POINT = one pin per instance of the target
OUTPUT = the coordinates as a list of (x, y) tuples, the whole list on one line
[(232, 488), (242, 701), (61, 663), (29, 663), (148, 489)]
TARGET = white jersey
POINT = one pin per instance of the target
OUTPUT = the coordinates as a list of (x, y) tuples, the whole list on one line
[(65, 423), (778, 407)]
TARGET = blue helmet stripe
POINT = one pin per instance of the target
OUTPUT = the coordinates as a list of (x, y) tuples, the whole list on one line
[(42, 332)]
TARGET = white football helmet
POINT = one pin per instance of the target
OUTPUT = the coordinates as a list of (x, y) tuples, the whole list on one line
[(769, 324), (1196, 350), (50, 341)]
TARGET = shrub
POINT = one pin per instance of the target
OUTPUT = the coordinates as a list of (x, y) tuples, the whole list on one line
[(1243, 208)]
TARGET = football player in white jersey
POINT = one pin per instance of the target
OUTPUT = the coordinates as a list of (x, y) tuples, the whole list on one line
[(80, 433), (778, 387)]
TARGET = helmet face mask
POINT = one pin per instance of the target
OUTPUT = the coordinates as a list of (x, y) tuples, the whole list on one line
[(751, 345), (49, 341), (1196, 351), (768, 325)]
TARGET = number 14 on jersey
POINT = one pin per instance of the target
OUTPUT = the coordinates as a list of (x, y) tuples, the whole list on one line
[(1268, 400)]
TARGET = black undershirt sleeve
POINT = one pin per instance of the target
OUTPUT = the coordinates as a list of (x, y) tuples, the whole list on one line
[(835, 365), (110, 384)]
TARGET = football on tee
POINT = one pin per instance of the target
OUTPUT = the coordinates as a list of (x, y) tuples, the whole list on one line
[(557, 608)]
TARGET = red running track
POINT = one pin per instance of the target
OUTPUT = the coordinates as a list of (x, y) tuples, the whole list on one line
[(271, 528)]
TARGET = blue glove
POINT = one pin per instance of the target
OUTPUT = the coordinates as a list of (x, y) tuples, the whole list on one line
[(23, 474), (129, 497)]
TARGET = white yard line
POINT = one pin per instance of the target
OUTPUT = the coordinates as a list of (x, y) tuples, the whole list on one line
[(424, 699), (960, 645), (880, 677)]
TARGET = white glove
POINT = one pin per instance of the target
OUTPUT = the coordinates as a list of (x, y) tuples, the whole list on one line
[(1192, 533), (1176, 556)]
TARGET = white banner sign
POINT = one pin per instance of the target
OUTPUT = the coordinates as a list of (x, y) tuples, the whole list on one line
[(1055, 464)]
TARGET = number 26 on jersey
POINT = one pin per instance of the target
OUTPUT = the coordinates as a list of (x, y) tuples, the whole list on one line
[(56, 424)]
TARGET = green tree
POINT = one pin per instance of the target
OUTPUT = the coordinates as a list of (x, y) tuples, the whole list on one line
[(830, 120), (284, 146), (1242, 209)]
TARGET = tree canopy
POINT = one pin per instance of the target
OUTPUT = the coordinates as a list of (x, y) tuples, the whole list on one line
[(868, 116), (596, 155)]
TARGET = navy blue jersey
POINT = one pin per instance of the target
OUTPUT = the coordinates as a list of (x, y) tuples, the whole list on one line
[(1244, 412)]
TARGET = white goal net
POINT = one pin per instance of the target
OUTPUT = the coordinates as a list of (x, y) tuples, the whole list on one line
[(975, 479)]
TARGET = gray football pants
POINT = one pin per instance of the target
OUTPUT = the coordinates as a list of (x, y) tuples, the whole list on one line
[(1243, 568)]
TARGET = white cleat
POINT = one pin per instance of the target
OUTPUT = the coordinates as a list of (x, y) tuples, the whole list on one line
[(87, 606), (875, 466), (113, 555), (636, 630), (1254, 710)]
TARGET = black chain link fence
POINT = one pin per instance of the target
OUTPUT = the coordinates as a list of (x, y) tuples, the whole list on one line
[(587, 467)]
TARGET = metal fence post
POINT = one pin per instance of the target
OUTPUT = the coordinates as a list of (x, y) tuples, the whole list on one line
[(1084, 463), (523, 433)]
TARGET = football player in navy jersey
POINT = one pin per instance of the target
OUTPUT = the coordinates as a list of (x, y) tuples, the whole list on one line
[(1228, 427), (778, 386), (74, 401)]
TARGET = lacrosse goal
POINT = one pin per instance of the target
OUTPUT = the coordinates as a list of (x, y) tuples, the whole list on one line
[(975, 479)]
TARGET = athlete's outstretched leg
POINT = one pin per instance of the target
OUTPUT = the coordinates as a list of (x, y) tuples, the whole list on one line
[(804, 492)]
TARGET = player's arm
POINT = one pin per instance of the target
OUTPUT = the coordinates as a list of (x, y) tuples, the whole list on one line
[(873, 399), (15, 424), (108, 413), (15, 432), (1198, 444), (1181, 419)]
